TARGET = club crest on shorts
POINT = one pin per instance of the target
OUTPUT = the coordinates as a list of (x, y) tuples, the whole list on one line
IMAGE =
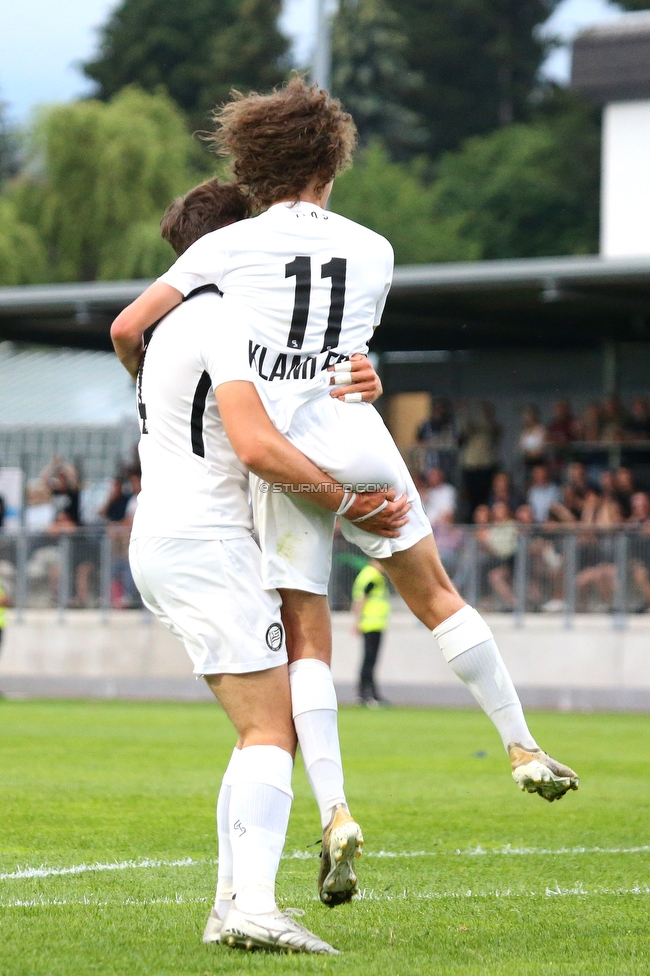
[(274, 637)]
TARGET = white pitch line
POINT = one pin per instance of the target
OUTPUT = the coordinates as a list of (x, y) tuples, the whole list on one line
[(576, 890), (364, 895), (49, 902), (149, 863), (507, 849), (145, 862)]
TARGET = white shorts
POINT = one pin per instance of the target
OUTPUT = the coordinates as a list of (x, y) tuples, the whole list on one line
[(351, 443), (210, 595)]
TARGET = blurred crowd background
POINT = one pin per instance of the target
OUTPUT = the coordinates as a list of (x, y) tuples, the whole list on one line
[(554, 510)]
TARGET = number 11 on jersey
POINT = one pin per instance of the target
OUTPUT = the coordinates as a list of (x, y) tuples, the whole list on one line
[(300, 268)]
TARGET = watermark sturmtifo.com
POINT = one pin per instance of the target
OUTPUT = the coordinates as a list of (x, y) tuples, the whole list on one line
[(323, 486)]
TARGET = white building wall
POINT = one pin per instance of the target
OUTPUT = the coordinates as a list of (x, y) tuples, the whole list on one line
[(625, 186)]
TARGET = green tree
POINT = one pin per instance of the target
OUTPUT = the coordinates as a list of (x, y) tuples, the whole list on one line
[(198, 50), (478, 61), (393, 200), (23, 260), (99, 178), (526, 190), (371, 76), (9, 150)]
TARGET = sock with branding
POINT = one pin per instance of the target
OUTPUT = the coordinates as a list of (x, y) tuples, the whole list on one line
[(260, 803), (469, 648), (315, 716), (224, 873)]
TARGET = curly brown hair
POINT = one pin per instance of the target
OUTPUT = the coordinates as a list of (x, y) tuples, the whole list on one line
[(281, 143), (207, 207)]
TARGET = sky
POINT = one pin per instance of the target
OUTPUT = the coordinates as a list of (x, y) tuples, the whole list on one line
[(42, 41)]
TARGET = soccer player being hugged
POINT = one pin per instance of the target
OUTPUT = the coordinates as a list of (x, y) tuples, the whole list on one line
[(314, 285)]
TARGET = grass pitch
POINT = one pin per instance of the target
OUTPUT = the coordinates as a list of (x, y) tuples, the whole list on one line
[(107, 846)]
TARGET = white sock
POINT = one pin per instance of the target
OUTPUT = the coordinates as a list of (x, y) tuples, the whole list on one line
[(469, 648), (223, 897), (260, 803), (315, 715)]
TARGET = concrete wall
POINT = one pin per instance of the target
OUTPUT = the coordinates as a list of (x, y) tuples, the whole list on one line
[(591, 666)]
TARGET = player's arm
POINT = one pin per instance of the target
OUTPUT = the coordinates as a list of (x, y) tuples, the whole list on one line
[(355, 380), (131, 324), (201, 264), (276, 461)]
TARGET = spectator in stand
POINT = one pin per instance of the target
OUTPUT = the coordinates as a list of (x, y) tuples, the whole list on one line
[(84, 559), (562, 427), (502, 491), (524, 515), (545, 565), (2, 510), (640, 505), (573, 494), (439, 425), (40, 510), (115, 508), (496, 535), (421, 485), (589, 426), (637, 424), (440, 498), (479, 439), (640, 547), (614, 420), (533, 437), (114, 512), (542, 494), (623, 484), (61, 525), (599, 574), (502, 546), (63, 481), (482, 515), (449, 540), (124, 593), (602, 508)]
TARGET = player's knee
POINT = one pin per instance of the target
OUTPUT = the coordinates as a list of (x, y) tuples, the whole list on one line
[(281, 734)]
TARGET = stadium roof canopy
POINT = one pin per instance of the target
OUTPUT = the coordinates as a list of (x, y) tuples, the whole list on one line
[(563, 301)]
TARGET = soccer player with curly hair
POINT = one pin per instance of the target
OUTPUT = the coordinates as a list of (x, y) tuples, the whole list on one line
[(315, 284)]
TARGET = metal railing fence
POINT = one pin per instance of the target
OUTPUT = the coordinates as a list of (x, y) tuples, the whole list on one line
[(501, 567), (505, 567)]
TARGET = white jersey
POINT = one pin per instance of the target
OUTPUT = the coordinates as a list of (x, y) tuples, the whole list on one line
[(193, 485), (315, 284)]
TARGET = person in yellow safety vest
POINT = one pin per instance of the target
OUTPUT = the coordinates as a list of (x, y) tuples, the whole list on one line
[(371, 607)]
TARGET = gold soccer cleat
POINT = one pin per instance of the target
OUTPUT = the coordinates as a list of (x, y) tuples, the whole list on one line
[(535, 772), (342, 843)]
